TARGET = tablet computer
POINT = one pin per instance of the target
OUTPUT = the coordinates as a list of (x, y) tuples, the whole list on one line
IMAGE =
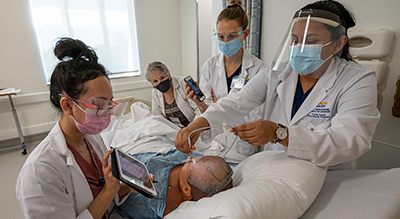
[(132, 172)]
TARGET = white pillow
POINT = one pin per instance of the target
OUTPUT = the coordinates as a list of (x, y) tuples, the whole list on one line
[(268, 184)]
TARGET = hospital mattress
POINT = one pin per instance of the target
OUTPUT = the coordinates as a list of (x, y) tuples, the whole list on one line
[(358, 194)]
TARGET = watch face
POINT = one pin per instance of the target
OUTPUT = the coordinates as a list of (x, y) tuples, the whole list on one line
[(281, 133)]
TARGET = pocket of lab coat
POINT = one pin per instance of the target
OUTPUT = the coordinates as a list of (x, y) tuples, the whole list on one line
[(315, 123)]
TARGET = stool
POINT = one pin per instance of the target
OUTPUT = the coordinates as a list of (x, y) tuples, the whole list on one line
[(9, 92)]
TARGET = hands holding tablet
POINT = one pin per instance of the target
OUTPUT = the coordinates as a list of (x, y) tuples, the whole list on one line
[(110, 182), (132, 172)]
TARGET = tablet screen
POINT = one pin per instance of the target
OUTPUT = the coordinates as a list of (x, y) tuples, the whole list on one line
[(135, 171)]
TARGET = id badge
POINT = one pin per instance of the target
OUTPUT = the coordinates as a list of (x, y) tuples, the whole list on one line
[(238, 83)]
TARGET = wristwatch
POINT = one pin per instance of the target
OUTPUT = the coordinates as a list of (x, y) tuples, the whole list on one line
[(280, 133)]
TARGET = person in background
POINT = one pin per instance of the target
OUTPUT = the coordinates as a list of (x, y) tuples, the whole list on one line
[(68, 174), (168, 96), (319, 104), (177, 181), (229, 71)]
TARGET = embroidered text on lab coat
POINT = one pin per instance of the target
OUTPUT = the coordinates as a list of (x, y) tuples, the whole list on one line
[(321, 111)]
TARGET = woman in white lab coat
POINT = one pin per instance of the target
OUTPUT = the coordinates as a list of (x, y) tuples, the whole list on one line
[(230, 70), (168, 96), (319, 105), (68, 174)]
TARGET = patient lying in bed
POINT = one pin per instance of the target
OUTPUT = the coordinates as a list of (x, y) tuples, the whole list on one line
[(268, 184), (177, 181)]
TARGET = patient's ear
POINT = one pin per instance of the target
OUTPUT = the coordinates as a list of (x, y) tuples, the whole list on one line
[(186, 191)]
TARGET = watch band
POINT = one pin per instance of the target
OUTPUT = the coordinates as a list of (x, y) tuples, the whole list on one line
[(280, 129)]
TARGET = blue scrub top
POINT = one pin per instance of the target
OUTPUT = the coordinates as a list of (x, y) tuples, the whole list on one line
[(229, 80), (299, 97)]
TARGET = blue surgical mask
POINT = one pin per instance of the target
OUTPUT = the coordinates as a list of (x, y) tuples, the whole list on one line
[(306, 61), (230, 48)]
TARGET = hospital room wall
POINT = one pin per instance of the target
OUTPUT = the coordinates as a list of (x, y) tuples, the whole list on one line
[(370, 15), (160, 38)]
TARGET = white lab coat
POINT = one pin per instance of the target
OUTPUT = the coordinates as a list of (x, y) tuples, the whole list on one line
[(213, 76), (334, 125), (187, 106), (51, 184)]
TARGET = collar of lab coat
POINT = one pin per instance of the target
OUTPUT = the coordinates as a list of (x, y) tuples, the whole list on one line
[(60, 146), (83, 194), (247, 62), (289, 82)]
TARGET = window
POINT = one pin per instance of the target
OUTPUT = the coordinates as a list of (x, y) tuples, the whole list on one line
[(108, 26)]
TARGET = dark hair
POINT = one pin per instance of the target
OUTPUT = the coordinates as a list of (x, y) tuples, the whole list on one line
[(78, 64), (234, 11), (347, 20)]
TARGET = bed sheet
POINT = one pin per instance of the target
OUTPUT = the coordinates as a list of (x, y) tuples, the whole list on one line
[(268, 184), (358, 194), (139, 131)]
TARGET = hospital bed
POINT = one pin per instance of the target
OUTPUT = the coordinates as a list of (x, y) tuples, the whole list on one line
[(270, 184), (358, 194)]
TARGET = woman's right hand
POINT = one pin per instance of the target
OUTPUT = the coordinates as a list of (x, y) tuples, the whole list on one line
[(191, 95), (181, 140), (110, 182), (111, 187)]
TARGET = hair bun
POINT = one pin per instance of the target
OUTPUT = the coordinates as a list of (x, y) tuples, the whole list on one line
[(73, 49), (235, 2)]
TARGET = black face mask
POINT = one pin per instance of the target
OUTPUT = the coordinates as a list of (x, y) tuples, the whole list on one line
[(164, 86)]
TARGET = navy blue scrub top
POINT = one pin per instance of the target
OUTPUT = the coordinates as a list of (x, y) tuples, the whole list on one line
[(299, 97), (229, 80)]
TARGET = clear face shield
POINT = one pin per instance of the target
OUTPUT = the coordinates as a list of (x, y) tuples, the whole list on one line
[(308, 42), (115, 120)]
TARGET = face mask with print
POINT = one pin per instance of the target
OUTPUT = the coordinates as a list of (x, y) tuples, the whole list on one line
[(307, 59), (164, 86), (93, 124), (230, 48)]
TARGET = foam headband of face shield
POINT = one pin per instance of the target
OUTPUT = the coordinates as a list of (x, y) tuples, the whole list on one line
[(322, 16)]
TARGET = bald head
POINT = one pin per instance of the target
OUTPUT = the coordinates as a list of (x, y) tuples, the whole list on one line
[(208, 176)]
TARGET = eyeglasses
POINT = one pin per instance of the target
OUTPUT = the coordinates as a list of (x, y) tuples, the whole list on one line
[(229, 36), (102, 106)]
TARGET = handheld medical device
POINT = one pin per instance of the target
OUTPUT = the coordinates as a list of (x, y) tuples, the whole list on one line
[(195, 88)]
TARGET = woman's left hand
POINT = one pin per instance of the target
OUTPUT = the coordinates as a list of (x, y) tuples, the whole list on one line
[(256, 133)]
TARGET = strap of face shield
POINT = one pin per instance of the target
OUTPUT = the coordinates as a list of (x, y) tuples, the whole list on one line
[(321, 16)]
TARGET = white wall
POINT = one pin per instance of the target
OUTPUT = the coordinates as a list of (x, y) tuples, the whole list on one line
[(189, 38), (205, 30), (159, 35)]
